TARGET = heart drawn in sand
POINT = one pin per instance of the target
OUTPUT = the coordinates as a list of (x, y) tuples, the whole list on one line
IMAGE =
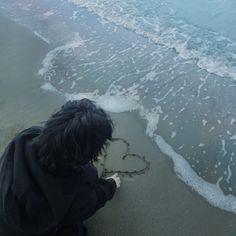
[(142, 170)]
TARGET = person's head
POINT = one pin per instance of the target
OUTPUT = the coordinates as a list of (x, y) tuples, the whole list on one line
[(74, 136)]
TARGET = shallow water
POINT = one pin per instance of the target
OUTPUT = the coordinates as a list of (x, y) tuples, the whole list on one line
[(174, 62)]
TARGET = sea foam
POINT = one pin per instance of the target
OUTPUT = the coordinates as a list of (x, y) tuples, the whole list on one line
[(112, 103), (124, 100), (47, 63), (187, 40), (211, 192)]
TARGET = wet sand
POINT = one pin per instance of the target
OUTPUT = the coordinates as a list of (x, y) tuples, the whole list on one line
[(154, 203), (22, 102)]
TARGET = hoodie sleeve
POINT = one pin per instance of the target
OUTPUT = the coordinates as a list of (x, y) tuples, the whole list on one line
[(104, 189), (92, 196)]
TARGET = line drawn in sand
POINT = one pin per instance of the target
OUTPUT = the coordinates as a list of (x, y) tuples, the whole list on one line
[(107, 171)]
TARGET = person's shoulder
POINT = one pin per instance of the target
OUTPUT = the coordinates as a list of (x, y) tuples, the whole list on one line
[(30, 132)]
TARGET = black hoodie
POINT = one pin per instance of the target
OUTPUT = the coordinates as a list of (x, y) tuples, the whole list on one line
[(33, 200)]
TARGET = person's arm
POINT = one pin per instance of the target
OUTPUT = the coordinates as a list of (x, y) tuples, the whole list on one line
[(106, 185), (103, 188), (92, 196)]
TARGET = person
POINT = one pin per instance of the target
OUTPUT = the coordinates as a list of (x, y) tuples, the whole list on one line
[(48, 183)]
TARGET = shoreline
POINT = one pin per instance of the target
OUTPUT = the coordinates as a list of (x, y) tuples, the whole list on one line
[(177, 210)]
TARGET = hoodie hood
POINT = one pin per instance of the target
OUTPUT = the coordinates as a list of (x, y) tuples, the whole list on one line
[(32, 200)]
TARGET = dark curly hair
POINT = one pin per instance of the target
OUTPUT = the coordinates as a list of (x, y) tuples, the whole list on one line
[(74, 136)]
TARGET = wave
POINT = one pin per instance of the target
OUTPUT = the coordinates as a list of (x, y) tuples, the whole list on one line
[(117, 103), (117, 99), (211, 51), (122, 101), (47, 62)]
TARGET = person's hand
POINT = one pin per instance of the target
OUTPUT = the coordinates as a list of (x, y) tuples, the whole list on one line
[(116, 178)]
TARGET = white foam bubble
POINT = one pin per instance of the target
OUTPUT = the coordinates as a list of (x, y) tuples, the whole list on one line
[(181, 110), (173, 134), (223, 149), (212, 128), (42, 37), (152, 118), (74, 16), (49, 13), (34, 32), (47, 63), (229, 174), (113, 103), (49, 87), (165, 117), (73, 85), (232, 121), (233, 137)]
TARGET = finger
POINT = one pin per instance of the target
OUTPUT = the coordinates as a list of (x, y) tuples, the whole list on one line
[(118, 184)]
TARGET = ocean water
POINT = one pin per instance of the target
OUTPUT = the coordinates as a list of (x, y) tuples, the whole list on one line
[(173, 62)]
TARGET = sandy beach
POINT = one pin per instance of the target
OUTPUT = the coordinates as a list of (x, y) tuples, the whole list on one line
[(22, 102), (153, 203)]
